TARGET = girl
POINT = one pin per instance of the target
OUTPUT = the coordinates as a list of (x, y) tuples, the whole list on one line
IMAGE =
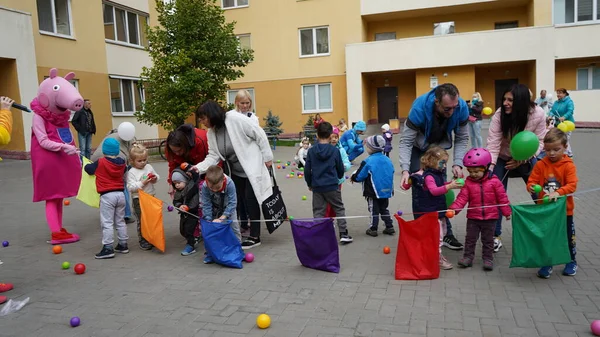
[(334, 140), (481, 192), (342, 126), (387, 135), (318, 120), (141, 176), (563, 110), (430, 190), (302, 152)]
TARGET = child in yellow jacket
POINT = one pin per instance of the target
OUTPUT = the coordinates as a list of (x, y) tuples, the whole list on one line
[(5, 120)]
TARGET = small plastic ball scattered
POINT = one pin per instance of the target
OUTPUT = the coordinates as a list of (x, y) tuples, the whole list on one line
[(67, 202), (57, 249), (278, 167), (299, 176), (278, 161), (291, 217), (460, 181), (399, 213), (450, 214), (184, 208), (303, 197), (170, 208), (289, 163), (293, 164), (249, 257), (302, 169), (347, 177), (546, 199), (79, 268), (595, 327), (66, 265), (283, 167), (75, 321), (406, 186), (263, 321), (386, 250), (287, 175), (184, 166), (4, 243), (537, 188)]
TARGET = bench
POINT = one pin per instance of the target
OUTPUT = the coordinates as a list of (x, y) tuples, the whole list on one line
[(308, 131), (154, 143), (274, 138)]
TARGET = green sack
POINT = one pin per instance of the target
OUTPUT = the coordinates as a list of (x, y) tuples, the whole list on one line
[(87, 189), (540, 235)]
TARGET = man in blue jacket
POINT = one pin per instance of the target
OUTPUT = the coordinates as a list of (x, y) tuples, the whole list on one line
[(432, 120), (351, 141)]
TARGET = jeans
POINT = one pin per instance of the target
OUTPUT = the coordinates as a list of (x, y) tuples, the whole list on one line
[(355, 152), (571, 237), (475, 134), (85, 144)]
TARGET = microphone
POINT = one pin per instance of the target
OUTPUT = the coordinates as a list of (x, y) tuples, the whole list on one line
[(20, 107)]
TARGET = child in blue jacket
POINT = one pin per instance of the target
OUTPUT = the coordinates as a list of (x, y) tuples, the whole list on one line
[(376, 173)]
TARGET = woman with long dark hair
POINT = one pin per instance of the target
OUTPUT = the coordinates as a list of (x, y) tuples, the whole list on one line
[(517, 113), (187, 144)]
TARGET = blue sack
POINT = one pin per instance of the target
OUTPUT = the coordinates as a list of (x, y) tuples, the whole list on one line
[(221, 243), (316, 244)]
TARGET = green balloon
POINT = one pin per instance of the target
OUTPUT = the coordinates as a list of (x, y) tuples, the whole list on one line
[(449, 198), (524, 145)]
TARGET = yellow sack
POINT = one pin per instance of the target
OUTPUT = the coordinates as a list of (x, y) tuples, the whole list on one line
[(152, 220), (87, 189)]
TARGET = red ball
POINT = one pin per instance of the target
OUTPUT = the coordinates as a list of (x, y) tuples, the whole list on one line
[(386, 250), (79, 268), (450, 214)]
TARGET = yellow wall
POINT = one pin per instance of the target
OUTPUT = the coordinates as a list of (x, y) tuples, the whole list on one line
[(463, 77), (566, 72), (487, 75), (464, 22), (284, 98), (541, 12), (9, 86), (406, 91)]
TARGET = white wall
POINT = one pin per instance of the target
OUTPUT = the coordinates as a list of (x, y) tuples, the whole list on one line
[(16, 37), (142, 131), (126, 61), (140, 5), (369, 7), (586, 105)]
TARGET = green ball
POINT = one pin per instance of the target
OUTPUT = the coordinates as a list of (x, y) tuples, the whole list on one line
[(66, 265), (291, 217), (546, 199), (303, 197), (278, 161), (537, 188), (460, 181), (302, 169)]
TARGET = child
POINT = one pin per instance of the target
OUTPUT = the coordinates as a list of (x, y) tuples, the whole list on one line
[(302, 152), (323, 170), (141, 176), (334, 140), (219, 201), (480, 191), (110, 184), (557, 174), (186, 198), (387, 135), (430, 190), (376, 173), (342, 125)]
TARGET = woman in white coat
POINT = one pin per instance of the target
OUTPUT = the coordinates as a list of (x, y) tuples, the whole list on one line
[(246, 154)]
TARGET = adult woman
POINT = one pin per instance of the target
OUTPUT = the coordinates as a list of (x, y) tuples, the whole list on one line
[(318, 120), (243, 105), (245, 150), (517, 113), (563, 110), (475, 108), (187, 144)]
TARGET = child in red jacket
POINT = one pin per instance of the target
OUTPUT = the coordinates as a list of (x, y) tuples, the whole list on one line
[(482, 194)]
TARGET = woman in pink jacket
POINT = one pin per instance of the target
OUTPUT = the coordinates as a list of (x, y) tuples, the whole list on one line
[(480, 191), (517, 113)]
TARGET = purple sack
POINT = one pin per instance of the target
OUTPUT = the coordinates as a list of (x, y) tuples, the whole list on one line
[(316, 244)]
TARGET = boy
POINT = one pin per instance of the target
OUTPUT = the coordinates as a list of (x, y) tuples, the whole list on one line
[(110, 184), (377, 175), (557, 175), (219, 201), (323, 169), (187, 199)]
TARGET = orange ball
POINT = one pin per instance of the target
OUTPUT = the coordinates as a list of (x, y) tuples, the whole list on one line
[(57, 249), (67, 202), (386, 250), (450, 214), (184, 166), (185, 208)]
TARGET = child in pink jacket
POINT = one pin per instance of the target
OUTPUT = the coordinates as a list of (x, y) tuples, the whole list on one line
[(482, 193)]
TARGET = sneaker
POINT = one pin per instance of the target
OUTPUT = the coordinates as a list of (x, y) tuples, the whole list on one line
[(544, 272), (145, 245), (465, 262), (371, 232), (389, 231), (488, 265), (497, 244), (570, 269), (107, 252), (129, 220), (345, 238), (445, 264), (451, 242), (250, 243), (122, 248), (188, 250), (208, 259), (5, 287)]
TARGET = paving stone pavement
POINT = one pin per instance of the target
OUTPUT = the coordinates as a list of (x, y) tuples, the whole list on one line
[(152, 294)]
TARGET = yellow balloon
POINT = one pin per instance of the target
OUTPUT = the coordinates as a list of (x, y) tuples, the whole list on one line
[(562, 127), (570, 125), (263, 321), (487, 111)]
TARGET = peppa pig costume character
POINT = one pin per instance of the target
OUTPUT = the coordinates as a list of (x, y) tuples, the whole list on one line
[(54, 158)]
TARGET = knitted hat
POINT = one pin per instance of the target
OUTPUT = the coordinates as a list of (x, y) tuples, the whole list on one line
[(360, 126), (179, 177), (386, 127), (376, 143), (110, 147)]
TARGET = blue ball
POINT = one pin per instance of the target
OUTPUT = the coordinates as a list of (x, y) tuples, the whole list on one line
[(4, 243), (75, 321)]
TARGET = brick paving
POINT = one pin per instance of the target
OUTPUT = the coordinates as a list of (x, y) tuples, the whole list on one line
[(152, 294)]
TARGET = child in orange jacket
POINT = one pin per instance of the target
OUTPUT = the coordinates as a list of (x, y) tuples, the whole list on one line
[(557, 175)]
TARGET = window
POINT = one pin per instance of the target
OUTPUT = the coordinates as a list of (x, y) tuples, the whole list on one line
[(316, 98), (125, 26), (385, 36), (506, 25), (126, 95), (588, 78), (443, 28), (572, 11), (231, 96), (54, 16), (314, 41), (234, 3), (244, 40)]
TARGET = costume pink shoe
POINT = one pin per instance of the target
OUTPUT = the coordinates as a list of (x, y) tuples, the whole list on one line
[(63, 237)]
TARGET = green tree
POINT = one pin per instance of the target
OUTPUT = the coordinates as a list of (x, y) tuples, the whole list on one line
[(272, 124), (194, 53)]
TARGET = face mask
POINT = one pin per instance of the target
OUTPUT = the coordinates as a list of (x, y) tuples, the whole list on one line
[(475, 100)]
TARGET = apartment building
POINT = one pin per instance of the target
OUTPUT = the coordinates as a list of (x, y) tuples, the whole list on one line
[(102, 42), (369, 59)]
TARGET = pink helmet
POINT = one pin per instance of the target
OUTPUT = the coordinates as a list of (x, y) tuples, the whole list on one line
[(336, 130), (477, 157)]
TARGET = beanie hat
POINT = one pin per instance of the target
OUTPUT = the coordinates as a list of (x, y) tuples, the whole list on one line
[(110, 147), (360, 126), (376, 143), (178, 177), (336, 130), (386, 127)]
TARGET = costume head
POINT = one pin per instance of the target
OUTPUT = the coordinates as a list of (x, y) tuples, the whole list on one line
[(110, 147), (57, 95), (375, 143), (360, 126)]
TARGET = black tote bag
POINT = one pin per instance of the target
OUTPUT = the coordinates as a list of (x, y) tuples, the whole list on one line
[(273, 207)]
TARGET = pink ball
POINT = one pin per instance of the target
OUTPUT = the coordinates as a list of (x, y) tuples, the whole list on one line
[(595, 327), (249, 257)]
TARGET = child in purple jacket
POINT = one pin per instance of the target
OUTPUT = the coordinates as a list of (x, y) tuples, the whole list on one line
[(387, 135)]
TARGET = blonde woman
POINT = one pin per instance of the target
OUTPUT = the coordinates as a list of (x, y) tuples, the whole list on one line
[(475, 108), (243, 105)]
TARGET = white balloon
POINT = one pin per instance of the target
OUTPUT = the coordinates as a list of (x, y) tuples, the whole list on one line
[(126, 131)]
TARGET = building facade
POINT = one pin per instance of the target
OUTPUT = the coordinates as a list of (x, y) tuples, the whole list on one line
[(102, 42), (369, 59)]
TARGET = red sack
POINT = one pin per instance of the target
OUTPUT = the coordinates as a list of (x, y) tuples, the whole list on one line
[(418, 256)]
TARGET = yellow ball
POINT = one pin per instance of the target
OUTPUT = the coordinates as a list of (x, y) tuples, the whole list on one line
[(562, 127), (570, 125), (487, 111), (263, 321)]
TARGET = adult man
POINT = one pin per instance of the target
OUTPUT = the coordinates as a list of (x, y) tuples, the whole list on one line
[(544, 101), (432, 119), (84, 123)]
